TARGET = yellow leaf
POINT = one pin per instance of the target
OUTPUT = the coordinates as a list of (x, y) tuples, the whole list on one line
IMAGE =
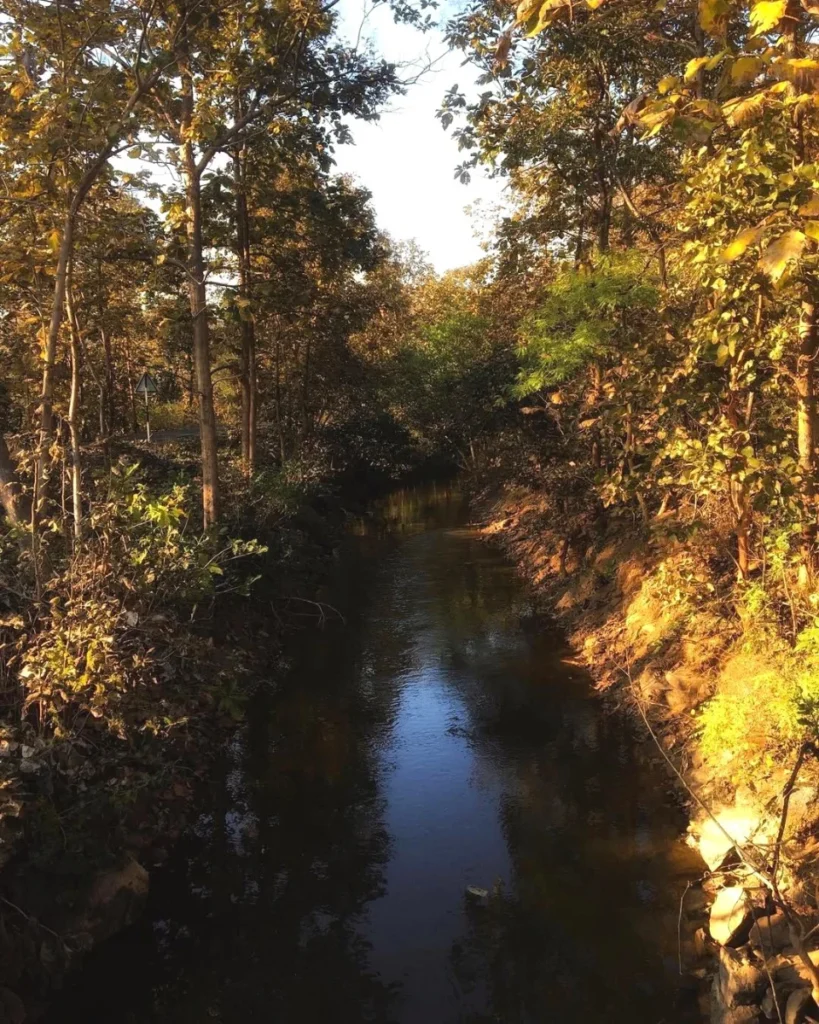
[(802, 70), (745, 69), (707, 108), (694, 66), (810, 208), (740, 111), (54, 239), (654, 118), (746, 237), (812, 230), (784, 250), (594, 4), (526, 9), (667, 84), (548, 12), (800, 63), (766, 15), (713, 16)]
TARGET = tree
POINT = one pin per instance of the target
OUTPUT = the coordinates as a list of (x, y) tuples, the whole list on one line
[(60, 71)]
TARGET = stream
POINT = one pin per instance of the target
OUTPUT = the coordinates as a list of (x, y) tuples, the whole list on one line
[(440, 737)]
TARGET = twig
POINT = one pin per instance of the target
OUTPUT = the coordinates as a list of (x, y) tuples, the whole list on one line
[(679, 927)]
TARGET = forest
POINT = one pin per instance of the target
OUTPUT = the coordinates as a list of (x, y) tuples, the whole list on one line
[(627, 380)]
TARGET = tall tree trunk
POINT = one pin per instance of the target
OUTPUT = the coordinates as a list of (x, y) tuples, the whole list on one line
[(110, 405), (278, 399), (248, 359), (604, 191), (201, 341), (806, 419), (50, 360), (129, 369), (74, 414), (197, 288), (305, 393)]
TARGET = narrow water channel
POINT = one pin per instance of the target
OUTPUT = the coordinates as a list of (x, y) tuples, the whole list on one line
[(439, 739)]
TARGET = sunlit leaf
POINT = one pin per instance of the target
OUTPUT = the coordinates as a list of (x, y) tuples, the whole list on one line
[(713, 16), (741, 111), (745, 238), (693, 67), (745, 69), (766, 15), (781, 252)]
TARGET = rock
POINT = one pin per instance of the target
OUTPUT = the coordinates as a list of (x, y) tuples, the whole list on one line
[(742, 1015), (478, 896), (115, 900), (770, 933), (790, 972), (768, 1005), (685, 689), (797, 1006), (716, 839), (695, 903), (738, 982), (719, 1013), (12, 1010), (730, 916), (700, 943)]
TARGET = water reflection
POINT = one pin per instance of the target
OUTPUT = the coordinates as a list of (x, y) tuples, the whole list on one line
[(436, 741)]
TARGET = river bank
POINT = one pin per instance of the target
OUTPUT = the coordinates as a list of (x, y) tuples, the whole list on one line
[(667, 645)]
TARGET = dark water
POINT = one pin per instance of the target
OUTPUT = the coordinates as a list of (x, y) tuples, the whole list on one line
[(440, 739)]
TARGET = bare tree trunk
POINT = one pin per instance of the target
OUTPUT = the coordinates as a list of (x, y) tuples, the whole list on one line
[(278, 399), (74, 415), (248, 359), (604, 190), (50, 359), (305, 393), (129, 369), (110, 405), (201, 340), (806, 421)]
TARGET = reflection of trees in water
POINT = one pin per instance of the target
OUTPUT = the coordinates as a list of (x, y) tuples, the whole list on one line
[(592, 924), (261, 909)]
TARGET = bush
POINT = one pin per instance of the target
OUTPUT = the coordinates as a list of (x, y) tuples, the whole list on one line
[(117, 618)]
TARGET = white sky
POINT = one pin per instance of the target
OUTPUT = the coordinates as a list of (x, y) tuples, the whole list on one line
[(406, 159)]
